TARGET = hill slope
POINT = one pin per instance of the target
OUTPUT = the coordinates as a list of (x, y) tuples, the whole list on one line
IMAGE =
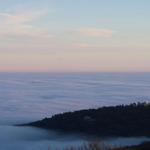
[(132, 120)]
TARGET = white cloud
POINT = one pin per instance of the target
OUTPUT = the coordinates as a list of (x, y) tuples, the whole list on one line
[(21, 17), (9, 16), (94, 32), (14, 25)]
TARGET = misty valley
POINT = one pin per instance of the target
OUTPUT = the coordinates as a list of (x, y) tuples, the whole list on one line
[(126, 121), (76, 107)]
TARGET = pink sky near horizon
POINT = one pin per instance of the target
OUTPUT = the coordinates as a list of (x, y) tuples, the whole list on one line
[(52, 37)]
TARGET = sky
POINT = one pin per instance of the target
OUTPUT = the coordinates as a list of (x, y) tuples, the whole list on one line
[(74, 36)]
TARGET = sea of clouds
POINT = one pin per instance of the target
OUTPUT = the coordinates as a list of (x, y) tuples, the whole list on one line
[(26, 97)]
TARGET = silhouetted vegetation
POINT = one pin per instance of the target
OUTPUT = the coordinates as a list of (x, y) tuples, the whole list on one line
[(96, 145), (128, 120)]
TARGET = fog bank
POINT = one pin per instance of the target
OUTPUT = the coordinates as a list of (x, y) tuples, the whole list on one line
[(30, 138)]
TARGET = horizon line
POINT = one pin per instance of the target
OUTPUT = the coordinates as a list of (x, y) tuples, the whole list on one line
[(74, 71)]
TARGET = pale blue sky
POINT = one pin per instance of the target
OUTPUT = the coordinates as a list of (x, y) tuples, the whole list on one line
[(74, 35)]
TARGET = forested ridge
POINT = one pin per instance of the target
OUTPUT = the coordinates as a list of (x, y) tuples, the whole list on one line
[(120, 120)]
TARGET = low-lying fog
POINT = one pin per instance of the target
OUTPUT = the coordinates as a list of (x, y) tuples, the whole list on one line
[(27, 97), (30, 138)]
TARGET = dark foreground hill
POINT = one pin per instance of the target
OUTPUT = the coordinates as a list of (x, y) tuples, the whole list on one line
[(129, 120)]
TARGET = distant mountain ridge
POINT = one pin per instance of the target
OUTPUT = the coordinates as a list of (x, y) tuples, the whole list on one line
[(120, 120)]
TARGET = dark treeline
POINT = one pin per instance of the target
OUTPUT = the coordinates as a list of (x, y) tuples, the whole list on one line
[(100, 145), (128, 120)]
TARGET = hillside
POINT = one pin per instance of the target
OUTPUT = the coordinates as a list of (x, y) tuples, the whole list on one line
[(129, 120)]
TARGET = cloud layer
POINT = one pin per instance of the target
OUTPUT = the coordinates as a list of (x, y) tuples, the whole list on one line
[(26, 97), (45, 94)]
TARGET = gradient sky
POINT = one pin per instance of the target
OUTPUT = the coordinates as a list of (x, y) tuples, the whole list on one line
[(74, 36)]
